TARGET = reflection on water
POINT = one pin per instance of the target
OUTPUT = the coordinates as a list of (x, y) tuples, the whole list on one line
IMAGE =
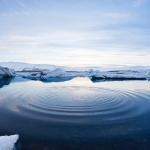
[(79, 113), (5, 81)]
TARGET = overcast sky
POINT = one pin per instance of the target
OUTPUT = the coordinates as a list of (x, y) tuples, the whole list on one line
[(75, 32)]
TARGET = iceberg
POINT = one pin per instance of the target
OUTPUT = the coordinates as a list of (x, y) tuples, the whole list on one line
[(60, 74), (118, 75), (57, 73), (42, 74), (51, 73), (8, 142), (148, 75), (47, 75), (6, 72)]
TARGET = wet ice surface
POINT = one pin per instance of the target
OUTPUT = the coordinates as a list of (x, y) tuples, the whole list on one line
[(8, 142), (76, 114)]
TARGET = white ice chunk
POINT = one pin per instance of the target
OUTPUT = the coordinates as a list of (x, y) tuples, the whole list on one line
[(8, 142), (119, 74)]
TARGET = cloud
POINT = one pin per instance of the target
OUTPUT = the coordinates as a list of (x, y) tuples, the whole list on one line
[(56, 31)]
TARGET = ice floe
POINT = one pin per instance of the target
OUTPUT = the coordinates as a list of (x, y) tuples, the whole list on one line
[(119, 75), (8, 142)]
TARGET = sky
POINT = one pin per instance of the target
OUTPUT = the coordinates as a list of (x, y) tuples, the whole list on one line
[(75, 32)]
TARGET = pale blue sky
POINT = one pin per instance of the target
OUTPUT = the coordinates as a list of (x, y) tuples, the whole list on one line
[(75, 32)]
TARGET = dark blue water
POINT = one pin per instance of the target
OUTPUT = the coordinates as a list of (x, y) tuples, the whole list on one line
[(76, 114)]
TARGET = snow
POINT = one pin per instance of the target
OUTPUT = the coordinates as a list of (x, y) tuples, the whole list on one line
[(6, 72), (8, 142)]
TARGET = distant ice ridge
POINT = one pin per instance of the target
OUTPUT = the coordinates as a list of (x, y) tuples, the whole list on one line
[(6, 72), (8, 142), (18, 66)]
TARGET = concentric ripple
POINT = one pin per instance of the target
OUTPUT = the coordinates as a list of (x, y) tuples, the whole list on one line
[(75, 104)]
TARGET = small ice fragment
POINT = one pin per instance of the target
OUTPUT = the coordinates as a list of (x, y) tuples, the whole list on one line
[(8, 142)]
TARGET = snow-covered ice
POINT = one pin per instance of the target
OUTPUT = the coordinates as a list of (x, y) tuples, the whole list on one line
[(8, 142), (45, 72), (61, 73), (119, 74)]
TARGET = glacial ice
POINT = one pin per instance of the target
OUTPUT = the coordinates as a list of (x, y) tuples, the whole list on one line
[(47, 72), (61, 73), (8, 142), (6, 72), (120, 75)]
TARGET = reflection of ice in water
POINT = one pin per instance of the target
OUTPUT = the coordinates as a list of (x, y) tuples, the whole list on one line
[(78, 81), (8, 142), (78, 98), (110, 109)]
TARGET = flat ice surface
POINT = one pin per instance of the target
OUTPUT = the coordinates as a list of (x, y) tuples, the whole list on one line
[(8, 142)]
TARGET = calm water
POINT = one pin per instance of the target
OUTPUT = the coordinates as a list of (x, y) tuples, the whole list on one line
[(76, 114)]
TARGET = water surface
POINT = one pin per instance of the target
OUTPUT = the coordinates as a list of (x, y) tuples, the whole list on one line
[(76, 114)]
